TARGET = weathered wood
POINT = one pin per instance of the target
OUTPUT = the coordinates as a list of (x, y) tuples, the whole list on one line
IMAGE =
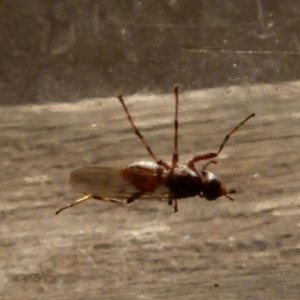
[(106, 251)]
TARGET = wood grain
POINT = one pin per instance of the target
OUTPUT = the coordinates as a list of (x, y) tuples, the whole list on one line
[(248, 249)]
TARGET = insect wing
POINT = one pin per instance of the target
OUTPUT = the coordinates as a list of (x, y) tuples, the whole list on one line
[(107, 182)]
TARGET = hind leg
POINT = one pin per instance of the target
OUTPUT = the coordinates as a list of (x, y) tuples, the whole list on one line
[(87, 197)]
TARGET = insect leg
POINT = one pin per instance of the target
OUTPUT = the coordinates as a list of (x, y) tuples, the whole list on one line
[(233, 131), (107, 199), (135, 196), (85, 198), (170, 202), (175, 206), (175, 157), (208, 163), (140, 136), (198, 158)]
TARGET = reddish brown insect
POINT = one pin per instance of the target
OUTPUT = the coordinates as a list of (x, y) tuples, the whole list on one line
[(170, 181)]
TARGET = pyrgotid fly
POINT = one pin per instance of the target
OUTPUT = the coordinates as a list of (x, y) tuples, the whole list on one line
[(152, 179)]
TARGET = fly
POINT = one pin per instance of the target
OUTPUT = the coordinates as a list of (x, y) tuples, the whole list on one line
[(157, 178)]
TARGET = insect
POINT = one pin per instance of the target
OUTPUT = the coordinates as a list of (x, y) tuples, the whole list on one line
[(157, 178)]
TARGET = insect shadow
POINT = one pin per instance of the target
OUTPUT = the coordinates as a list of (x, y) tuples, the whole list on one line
[(153, 179)]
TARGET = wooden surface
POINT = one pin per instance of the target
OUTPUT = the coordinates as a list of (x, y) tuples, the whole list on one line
[(249, 248)]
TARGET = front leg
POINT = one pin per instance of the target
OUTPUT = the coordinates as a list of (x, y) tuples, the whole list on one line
[(197, 158), (191, 163), (208, 163)]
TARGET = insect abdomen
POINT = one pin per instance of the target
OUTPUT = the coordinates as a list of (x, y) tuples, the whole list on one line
[(145, 176)]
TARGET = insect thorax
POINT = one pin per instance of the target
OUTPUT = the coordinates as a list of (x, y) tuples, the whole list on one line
[(183, 182)]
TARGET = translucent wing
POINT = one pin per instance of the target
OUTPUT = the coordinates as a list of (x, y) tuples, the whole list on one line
[(107, 182)]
